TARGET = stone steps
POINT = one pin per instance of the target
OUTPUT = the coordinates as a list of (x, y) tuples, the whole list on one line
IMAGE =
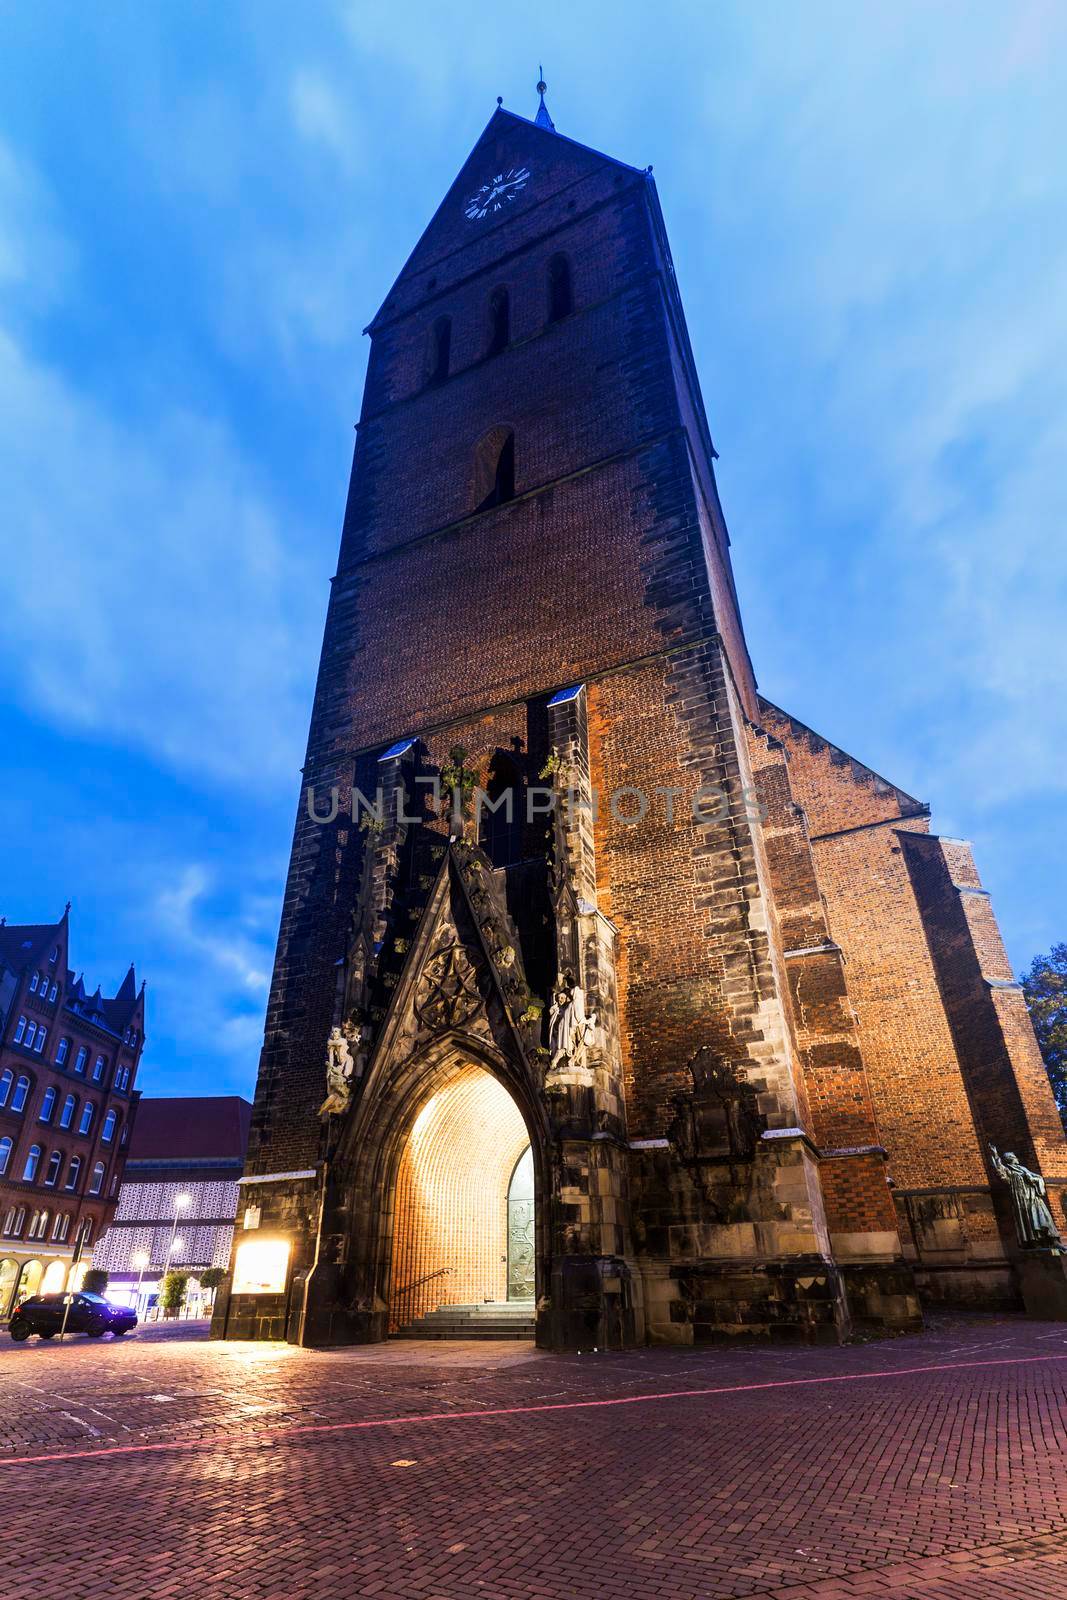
[(504, 1319)]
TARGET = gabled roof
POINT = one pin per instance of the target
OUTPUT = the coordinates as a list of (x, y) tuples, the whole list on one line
[(21, 943), (863, 774), (539, 131)]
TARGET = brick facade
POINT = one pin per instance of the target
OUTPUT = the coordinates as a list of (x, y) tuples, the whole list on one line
[(534, 567), (68, 1104)]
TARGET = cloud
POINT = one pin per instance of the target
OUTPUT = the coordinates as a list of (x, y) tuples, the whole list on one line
[(183, 911), (322, 118), (154, 599)]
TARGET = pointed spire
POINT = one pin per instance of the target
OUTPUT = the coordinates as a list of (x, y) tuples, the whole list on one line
[(128, 986), (542, 119)]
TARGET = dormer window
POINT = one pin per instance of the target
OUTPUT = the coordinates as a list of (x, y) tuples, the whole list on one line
[(34, 980)]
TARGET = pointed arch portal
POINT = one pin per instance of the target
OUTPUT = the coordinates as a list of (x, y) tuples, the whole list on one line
[(463, 1167)]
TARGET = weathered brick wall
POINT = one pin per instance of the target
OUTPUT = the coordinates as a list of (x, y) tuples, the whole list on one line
[(950, 1055)]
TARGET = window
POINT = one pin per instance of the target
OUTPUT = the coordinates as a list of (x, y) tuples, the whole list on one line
[(125, 1133), (30, 1035), (33, 1161), (6, 1147), (62, 1052), (560, 293), (42, 1035), (81, 1058), (38, 1225), (122, 1078), (86, 1231), (499, 321), (440, 349), (54, 957), (7, 1078), (133, 1038), (53, 991), (107, 1132), (55, 1167), (502, 812), (60, 1227), (9, 1220), (66, 1116), (34, 981), (86, 1117), (20, 1029), (74, 1172), (22, 1089), (48, 1105), (98, 1068), (494, 469), (18, 1217), (97, 1181)]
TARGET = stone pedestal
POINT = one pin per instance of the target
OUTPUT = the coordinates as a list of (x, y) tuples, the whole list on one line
[(590, 1306), (1043, 1282)]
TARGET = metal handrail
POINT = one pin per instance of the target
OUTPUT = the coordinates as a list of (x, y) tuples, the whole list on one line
[(404, 1299)]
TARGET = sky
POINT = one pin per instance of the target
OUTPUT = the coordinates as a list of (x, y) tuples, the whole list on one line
[(201, 206)]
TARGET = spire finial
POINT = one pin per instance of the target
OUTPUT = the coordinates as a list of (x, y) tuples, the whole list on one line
[(542, 119)]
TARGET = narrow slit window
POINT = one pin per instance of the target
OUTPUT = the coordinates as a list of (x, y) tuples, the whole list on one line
[(440, 349), (499, 321), (560, 291)]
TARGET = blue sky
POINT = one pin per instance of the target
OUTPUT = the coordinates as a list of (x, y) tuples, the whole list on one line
[(200, 208)]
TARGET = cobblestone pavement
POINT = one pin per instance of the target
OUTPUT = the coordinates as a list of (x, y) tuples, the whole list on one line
[(925, 1468)]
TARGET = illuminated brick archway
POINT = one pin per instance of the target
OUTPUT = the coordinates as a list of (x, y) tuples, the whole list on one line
[(450, 1218)]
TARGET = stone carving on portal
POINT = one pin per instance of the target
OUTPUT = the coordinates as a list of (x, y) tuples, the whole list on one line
[(1034, 1222), (340, 1071), (720, 1119), (448, 993)]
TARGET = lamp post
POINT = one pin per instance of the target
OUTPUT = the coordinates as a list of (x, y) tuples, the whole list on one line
[(140, 1259), (181, 1201)]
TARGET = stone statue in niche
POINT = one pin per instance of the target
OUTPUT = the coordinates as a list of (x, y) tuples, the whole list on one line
[(720, 1119), (570, 1026), (340, 1070), (1033, 1220)]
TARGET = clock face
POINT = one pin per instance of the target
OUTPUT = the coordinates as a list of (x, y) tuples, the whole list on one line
[(494, 195)]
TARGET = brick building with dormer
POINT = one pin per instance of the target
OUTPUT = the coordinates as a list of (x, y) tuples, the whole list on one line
[(68, 1068)]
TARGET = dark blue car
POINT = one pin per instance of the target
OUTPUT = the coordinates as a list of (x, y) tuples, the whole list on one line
[(89, 1313)]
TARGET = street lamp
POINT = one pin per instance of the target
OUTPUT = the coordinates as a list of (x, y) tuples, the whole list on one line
[(140, 1259), (181, 1202)]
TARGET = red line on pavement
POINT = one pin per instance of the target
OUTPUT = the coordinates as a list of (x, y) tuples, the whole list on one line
[(270, 1435)]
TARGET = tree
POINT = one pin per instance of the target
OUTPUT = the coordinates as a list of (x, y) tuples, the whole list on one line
[(95, 1281), (211, 1277), (172, 1291), (1045, 988)]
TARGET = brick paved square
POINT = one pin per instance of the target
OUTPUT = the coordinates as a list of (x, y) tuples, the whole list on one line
[(925, 1468)]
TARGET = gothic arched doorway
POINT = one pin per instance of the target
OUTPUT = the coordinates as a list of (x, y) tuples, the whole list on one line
[(465, 1164)]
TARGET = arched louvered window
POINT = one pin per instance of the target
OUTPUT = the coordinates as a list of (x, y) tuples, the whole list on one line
[(494, 469)]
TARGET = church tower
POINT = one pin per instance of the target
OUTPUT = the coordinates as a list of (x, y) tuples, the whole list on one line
[(553, 917)]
